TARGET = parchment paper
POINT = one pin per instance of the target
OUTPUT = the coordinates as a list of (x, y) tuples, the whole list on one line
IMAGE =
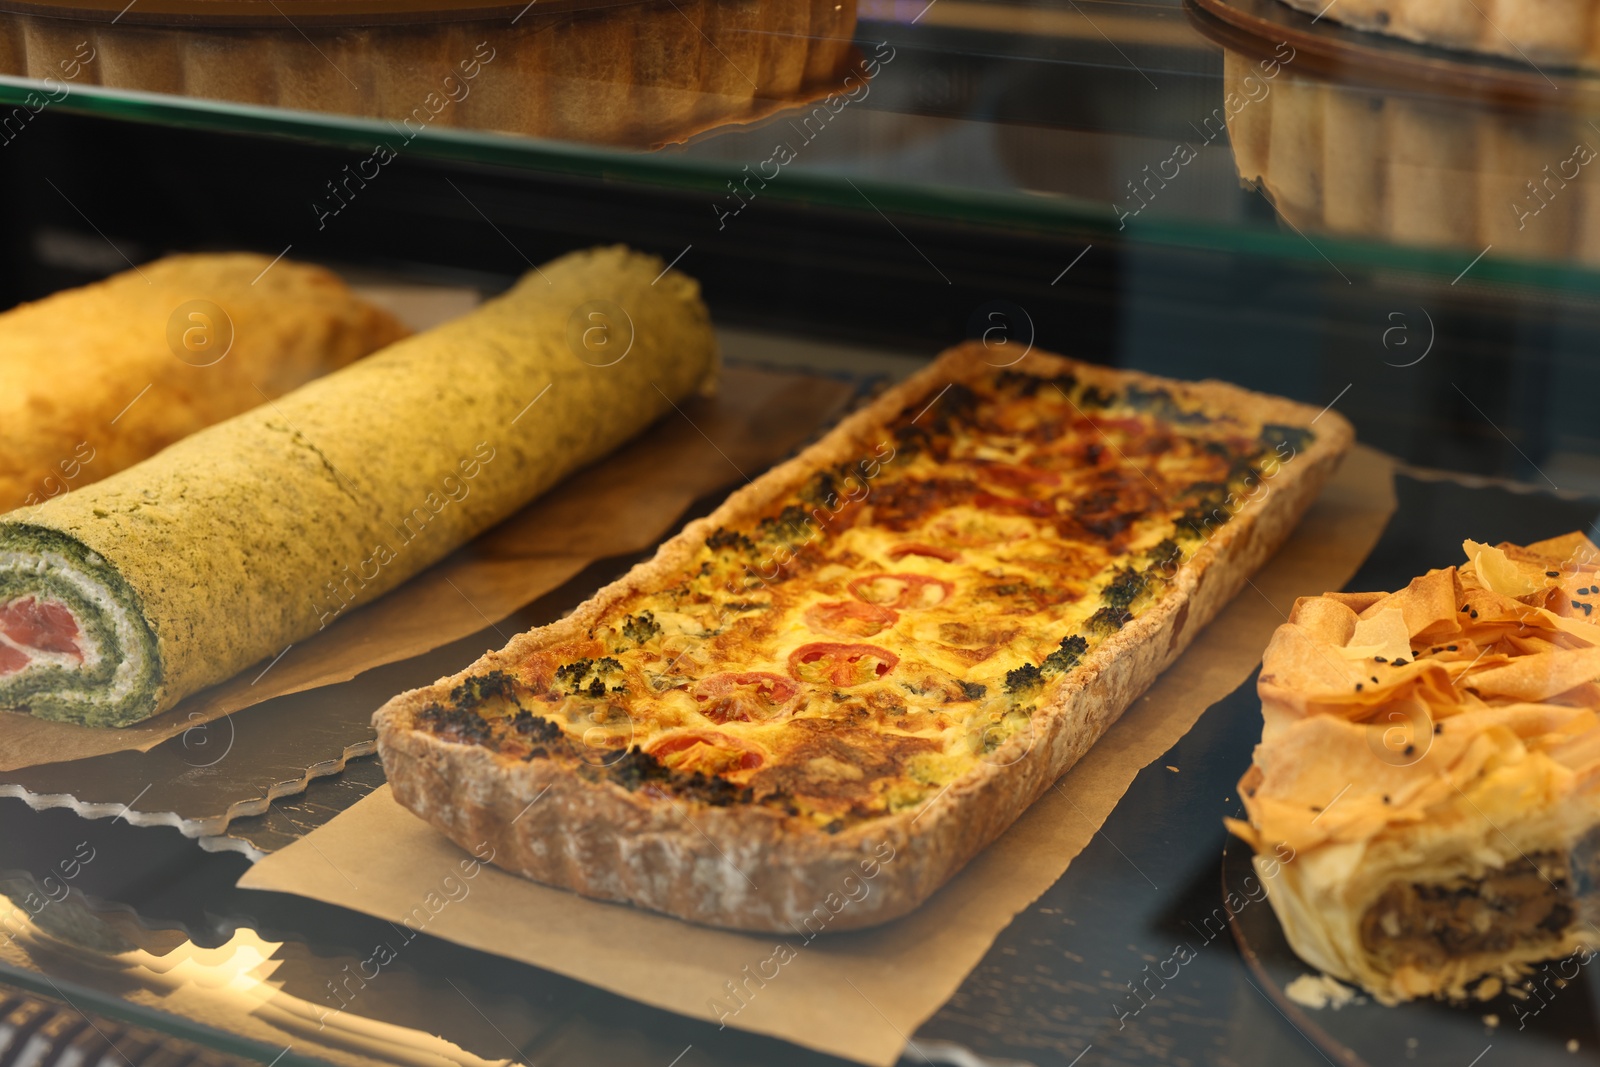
[(856, 995), (623, 504)]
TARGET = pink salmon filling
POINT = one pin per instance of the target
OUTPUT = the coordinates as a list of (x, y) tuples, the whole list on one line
[(46, 625)]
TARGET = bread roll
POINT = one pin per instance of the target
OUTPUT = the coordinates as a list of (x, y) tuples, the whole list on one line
[(118, 600), (94, 380)]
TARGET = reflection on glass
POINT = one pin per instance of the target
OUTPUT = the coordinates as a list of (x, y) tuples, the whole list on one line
[(1414, 168), (274, 992)]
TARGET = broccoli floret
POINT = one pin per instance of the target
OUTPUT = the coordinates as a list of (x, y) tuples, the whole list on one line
[(474, 691), (540, 731), (1108, 621), (1165, 558), (1148, 399), (640, 628), (1023, 384), (1195, 521), (1066, 657), (1023, 678), (790, 526), (820, 488), (1125, 588), (1161, 403), (636, 767), (573, 676), (712, 790), (454, 724), (1093, 397), (723, 538)]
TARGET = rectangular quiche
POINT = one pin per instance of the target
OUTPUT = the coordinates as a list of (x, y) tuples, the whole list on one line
[(901, 637)]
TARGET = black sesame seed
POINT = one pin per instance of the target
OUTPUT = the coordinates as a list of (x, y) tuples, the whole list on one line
[(1433, 650), (1410, 749), (1380, 659), (1474, 613), (1358, 687), (1400, 661), (1552, 574), (1315, 808), (1374, 679), (1438, 727), (1450, 648)]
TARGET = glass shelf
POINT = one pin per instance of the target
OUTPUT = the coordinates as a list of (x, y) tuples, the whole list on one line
[(1096, 119)]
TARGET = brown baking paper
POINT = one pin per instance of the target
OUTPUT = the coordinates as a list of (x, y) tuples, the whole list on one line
[(623, 504), (857, 995)]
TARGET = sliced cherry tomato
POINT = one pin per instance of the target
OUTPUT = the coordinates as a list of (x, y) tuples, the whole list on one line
[(1019, 477), (901, 591), (1130, 425), (710, 752), (743, 696), (43, 624), (899, 552), (1015, 504), (850, 618), (840, 665), (11, 660)]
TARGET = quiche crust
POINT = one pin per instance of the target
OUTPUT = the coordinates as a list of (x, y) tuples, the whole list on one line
[(754, 867)]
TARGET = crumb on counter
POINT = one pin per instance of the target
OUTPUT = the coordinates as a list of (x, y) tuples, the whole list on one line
[(1319, 991)]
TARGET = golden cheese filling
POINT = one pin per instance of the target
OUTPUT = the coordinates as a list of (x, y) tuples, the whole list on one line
[(861, 645)]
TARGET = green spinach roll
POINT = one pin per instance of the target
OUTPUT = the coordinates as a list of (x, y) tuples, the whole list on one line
[(119, 599)]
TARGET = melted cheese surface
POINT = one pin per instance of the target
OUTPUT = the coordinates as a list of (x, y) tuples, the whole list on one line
[(868, 640)]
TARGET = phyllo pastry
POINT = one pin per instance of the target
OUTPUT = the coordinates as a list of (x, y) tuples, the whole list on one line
[(866, 664), (120, 599), (1431, 760)]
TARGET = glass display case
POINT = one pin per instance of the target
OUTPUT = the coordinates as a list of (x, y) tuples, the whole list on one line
[(1399, 234)]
